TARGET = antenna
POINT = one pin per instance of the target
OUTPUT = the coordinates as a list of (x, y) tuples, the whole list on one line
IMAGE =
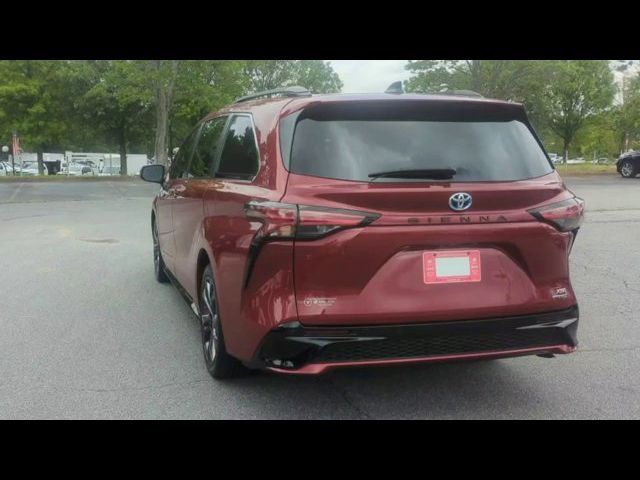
[(395, 88)]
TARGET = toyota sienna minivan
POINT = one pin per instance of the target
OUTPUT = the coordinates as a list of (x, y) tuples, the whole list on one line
[(312, 232)]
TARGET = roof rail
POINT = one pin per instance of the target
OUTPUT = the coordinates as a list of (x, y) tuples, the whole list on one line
[(293, 91), (461, 93)]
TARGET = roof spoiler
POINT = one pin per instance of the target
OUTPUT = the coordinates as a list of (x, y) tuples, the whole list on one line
[(293, 91)]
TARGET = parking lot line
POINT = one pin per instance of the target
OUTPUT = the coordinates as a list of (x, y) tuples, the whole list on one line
[(16, 191)]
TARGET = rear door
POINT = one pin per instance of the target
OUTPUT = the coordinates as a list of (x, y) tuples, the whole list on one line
[(188, 208), (425, 247)]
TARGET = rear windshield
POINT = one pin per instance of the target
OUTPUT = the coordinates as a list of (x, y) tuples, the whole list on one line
[(477, 150)]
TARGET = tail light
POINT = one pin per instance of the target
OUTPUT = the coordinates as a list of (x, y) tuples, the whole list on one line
[(286, 221), (303, 222), (566, 216), (278, 219)]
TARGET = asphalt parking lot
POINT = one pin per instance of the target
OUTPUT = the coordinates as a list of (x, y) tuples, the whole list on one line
[(86, 332)]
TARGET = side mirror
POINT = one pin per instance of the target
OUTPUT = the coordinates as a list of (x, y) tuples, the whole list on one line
[(152, 173)]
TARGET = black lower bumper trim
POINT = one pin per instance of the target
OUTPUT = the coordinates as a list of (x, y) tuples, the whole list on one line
[(293, 345)]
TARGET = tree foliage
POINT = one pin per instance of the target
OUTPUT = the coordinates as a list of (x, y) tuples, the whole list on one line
[(315, 75), (515, 80), (626, 116), (32, 95), (560, 96), (113, 99), (133, 105), (575, 91)]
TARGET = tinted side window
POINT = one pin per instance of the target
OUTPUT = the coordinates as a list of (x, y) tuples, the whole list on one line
[(239, 155), (180, 163), (206, 151)]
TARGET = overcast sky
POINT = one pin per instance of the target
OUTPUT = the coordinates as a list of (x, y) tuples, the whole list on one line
[(369, 76)]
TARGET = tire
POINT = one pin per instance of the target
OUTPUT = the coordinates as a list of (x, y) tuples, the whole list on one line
[(219, 363), (158, 263), (628, 169)]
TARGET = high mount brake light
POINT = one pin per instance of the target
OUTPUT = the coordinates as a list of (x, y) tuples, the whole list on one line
[(288, 221), (566, 215)]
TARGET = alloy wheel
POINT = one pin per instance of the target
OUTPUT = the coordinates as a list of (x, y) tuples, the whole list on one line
[(209, 318)]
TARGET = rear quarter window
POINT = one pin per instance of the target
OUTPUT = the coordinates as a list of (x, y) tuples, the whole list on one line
[(240, 157)]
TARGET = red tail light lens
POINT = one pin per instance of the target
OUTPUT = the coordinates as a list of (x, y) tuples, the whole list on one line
[(284, 220), (315, 222), (278, 219), (566, 216)]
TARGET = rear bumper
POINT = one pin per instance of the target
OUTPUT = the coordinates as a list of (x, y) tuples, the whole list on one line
[(294, 348)]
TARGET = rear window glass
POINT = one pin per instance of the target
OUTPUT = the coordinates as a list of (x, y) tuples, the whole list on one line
[(476, 150)]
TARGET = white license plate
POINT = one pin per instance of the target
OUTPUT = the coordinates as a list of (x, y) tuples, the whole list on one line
[(452, 266)]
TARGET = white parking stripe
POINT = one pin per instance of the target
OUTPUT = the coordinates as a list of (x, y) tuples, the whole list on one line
[(16, 191)]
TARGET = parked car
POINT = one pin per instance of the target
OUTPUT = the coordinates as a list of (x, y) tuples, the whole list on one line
[(312, 232), (76, 169), (6, 169), (28, 169), (628, 164), (555, 158)]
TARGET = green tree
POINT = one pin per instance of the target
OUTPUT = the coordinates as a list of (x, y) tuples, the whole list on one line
[(559, 95), (150, 105), (201, 87), (115, 100), (316, 75), (430, 76), (575, 91), (32, 103), (516, 80), (597, 138), (627, 114), (503, 79)]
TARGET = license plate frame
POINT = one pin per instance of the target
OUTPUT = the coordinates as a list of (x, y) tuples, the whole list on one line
[(448, 266)]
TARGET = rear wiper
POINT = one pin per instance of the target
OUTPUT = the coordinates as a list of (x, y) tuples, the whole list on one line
[(431, 173)]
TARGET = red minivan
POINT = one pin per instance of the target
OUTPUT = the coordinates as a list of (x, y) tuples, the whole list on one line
[(310, 232)]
